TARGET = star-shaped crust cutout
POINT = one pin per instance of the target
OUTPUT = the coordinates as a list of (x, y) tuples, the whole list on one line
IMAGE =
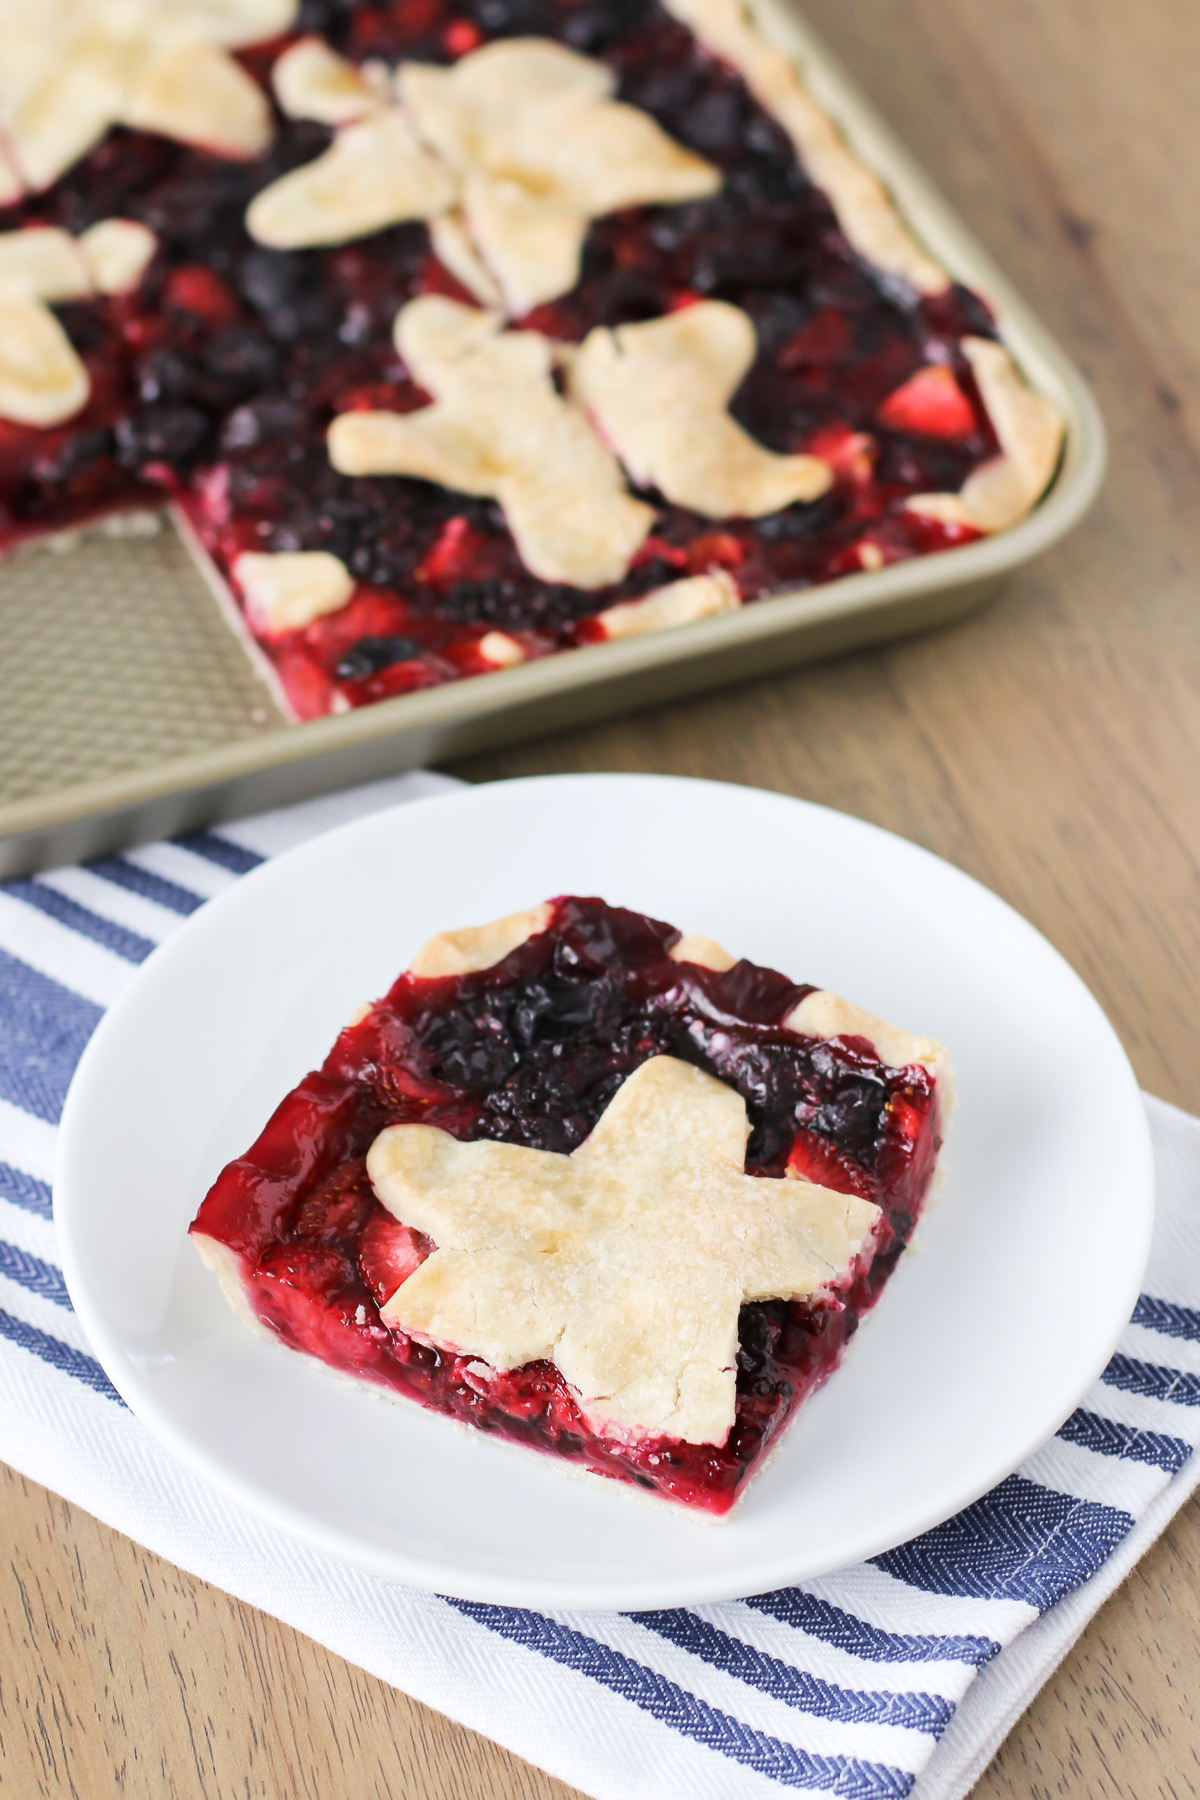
[(656, 394), (659, 394), (499, 427), (70, 69), (542, 148), (510, 153), (627, 1262)]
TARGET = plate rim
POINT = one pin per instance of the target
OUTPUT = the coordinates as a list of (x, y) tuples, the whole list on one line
[(394, 1562)]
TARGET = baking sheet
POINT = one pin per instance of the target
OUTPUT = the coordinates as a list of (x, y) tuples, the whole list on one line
[(129, 709)]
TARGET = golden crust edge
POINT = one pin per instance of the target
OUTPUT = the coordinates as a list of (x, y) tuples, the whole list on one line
[(1028, 424), (479, 946), (225, 1265), (865, 210)]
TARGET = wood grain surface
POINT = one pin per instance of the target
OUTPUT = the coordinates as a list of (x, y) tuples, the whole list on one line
[(1050, 746)]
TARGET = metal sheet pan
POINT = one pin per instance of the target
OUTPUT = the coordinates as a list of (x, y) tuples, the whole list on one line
[(130, 710)]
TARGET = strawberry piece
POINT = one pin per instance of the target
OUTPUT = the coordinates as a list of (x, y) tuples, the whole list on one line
[(815, 1159), (715, 550), (195, 289), (339, 1206), (850, 454), (461, 37), (435, 278), (382, 396), (308, 687), (656, 549), (389, 1252), (930, 403), (456, 555)]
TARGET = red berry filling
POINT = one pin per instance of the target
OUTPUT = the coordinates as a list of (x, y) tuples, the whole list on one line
[(531, 1051), (216, 381)]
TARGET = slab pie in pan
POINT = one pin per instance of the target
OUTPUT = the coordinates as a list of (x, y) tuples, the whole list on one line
[(500, 368)]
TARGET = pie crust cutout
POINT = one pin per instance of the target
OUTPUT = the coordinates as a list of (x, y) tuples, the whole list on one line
[(71, 69), (499, 427), (625, 1263), (659, 393)]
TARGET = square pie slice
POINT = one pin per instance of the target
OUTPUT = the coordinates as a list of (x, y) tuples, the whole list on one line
[(591, 1186)]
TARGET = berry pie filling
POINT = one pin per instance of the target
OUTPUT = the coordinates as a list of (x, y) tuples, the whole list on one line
[(593, 1187), (845, 404)]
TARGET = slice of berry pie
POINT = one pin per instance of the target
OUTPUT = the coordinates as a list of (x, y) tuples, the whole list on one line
[(590, 1186), (462, 332)]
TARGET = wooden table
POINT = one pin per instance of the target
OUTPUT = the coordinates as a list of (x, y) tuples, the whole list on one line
[(1050, 746)]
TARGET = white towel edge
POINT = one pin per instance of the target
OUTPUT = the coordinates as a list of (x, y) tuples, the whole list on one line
[(1003, 1690)]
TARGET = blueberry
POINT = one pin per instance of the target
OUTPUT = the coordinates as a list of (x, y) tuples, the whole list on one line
[(261, 421), (546, 1010), (667, 230), (766, 138), (168, 434), (480, 1066), (715, 122), (315, 18), (471, 1049), (653, 574), (358, 324), (851, 1117), (764, 183), (664, 89), (506, 18), (759, 1328), (67, 462), (793, 522), (314, 317), (371, 654), (777, 319), (768, 1145), (271, 277), (162, 375), (472, 602), (197, 213), (589, 27), (243, 355), (83, 324)]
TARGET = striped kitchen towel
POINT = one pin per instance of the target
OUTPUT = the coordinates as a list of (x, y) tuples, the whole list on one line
[(896, 1677)]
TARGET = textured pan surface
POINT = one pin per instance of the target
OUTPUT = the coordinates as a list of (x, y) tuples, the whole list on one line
[(116, 659)]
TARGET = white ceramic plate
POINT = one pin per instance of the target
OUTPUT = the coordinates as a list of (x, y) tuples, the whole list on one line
[(1024, 1272)]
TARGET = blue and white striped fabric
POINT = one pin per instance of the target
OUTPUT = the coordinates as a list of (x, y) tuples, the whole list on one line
[(896, 1677)]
